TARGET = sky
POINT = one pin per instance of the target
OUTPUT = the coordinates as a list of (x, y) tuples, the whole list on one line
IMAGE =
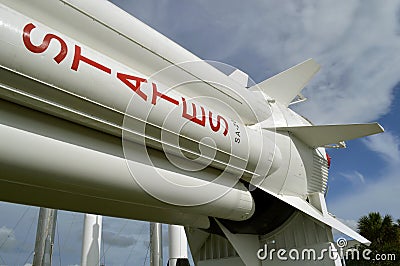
[(357, 44)]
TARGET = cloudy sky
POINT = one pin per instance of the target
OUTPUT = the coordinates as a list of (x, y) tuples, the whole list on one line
[(357, 43)]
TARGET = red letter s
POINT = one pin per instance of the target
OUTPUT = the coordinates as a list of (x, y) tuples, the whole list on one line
[(26, 36)]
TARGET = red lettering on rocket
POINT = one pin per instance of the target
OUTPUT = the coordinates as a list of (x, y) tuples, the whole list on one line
[(156, 94), (126, 79), (201, 121), (133, 82), (218, 125), (78, 57), (26, 37)]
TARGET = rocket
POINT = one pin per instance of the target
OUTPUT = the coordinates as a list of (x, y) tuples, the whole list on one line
[(102, 114)]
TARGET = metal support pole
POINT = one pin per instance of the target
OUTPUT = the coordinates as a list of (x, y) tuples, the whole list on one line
[(91, 242), (156, 257), (45, 237), (178, 254)]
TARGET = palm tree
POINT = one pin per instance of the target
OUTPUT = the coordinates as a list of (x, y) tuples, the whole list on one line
[(380, 231), (384, 235)]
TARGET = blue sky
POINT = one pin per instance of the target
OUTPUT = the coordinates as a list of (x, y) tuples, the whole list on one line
[(357, 44)]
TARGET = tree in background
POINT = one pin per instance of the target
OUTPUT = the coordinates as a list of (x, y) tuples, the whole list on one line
[(384, 235)]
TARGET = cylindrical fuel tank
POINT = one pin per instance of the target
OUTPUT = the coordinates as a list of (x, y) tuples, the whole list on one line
[(152, 114)]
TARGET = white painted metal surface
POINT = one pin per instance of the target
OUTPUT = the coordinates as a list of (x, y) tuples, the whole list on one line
[(60, 166), (321, 215), (246, 245), (177, 244), (320, 136), (67, 66), (285, 86), (91, 241)]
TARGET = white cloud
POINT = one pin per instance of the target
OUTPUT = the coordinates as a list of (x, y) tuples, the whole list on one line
[(354, 177), (113, 239), (358, 68), (386, 145), (8, 240), (380, 193), (378, 196), (125, 241), (350, 223)]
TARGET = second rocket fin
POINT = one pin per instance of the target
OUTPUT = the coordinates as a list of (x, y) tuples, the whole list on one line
[(323, 135), (285, 86)]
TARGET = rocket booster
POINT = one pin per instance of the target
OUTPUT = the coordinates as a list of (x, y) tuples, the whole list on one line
[(170, 139), (151, 113)]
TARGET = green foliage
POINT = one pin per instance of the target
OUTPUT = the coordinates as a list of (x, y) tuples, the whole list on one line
[(384, 235)]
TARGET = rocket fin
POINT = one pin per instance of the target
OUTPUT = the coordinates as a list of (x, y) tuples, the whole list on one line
[(323, 135), (320, 216), (240, 77), (285, 86), (245, 245)]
